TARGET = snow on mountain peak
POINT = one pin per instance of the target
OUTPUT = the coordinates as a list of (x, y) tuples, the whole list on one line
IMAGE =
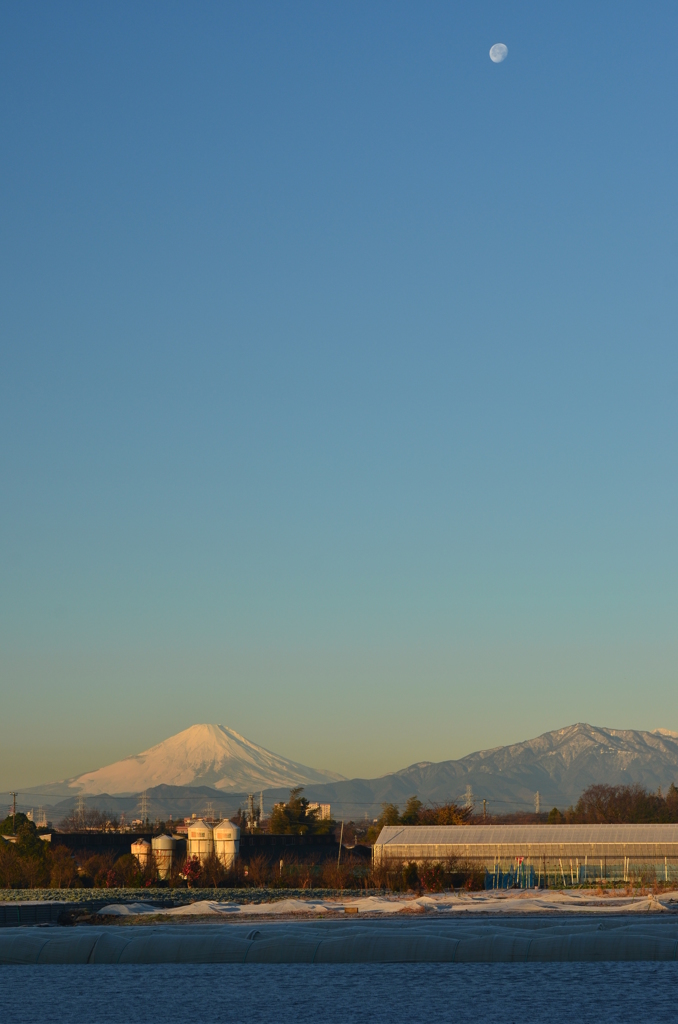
[(210, 755)]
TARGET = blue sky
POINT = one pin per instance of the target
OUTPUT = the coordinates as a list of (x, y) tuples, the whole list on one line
[(337, 377)]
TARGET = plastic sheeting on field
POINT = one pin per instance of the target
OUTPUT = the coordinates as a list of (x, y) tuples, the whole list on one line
[(341, 941), (522, 901)]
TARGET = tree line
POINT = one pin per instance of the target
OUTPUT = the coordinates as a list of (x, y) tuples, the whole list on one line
[(598, 804), (30, 862), (416, 813), (620, 805)]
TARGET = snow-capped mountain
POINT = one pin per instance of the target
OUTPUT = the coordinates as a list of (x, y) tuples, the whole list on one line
[(559, 765), (204, 755)]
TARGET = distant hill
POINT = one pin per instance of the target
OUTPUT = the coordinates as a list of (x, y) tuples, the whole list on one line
[(214, 765), (161, 802)]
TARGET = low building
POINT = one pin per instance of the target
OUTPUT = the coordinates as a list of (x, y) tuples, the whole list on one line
[(302, 849), (537, 854), (85, 844), (324, 811)]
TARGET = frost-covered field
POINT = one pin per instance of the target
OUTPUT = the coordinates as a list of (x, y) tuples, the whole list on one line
[(175, 897)]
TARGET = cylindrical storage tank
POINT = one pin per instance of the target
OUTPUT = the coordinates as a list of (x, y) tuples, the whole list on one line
[(142, 851), (200, 840), (163, 848), (226, 842)]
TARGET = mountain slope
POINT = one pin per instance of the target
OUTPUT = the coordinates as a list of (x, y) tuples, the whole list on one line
[(204, 755), (559, 765)]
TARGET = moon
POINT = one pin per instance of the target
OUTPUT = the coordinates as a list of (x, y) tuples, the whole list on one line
[(498, 52)]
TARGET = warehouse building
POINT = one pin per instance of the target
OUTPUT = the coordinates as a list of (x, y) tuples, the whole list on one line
[(529, 855)]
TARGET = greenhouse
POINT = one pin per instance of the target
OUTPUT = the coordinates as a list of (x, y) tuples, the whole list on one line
[(538, 855)]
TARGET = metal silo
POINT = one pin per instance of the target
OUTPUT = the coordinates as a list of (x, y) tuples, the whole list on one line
[(200, 840), (164, 848), (226, 842), (142, 851)]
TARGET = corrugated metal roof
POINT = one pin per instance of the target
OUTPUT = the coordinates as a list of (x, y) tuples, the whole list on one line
[(499, 835)]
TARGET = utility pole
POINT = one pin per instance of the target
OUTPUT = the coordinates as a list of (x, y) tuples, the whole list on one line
[(13, 795), (341, 839), (484, 810)]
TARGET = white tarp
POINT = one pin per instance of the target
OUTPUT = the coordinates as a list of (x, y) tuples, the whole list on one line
[(526, 901)]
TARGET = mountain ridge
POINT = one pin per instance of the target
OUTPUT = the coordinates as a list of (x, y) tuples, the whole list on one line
[(559, 765)]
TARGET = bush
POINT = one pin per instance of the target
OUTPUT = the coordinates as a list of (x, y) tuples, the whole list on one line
[(432, 877), (213, 871), (411, 875), (192, 871), (11, 867), (128, 871), (63, 869), (259, 871)]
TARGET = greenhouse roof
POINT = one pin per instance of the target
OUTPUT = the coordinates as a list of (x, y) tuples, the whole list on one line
[(533, 835)]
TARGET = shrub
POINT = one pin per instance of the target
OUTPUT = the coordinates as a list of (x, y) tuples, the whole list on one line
[(411, 875), (432, 877), (63, 869), (11, 869), (473, 877), (192, 871), (259, 871), (213, 871), (128, 871)]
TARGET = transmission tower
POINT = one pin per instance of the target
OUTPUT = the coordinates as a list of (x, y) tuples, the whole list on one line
[(469, 797), (80, 811), (537, 803), (143, 806)]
